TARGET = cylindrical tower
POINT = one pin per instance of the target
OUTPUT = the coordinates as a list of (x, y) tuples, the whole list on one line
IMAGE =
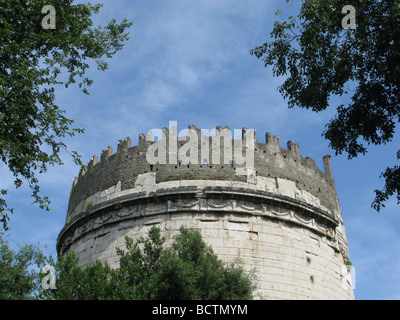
[(267, 204)]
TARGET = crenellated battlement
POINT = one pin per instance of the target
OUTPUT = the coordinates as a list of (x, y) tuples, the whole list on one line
[(271, 146), (220, 154)]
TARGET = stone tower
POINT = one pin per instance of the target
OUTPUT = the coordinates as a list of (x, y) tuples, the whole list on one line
[(268, 204)]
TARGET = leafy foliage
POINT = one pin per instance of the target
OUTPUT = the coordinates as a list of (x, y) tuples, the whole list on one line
[(33, 61), (191, 270), (321, 59), (187, 270), (18, 271), (148, 270)]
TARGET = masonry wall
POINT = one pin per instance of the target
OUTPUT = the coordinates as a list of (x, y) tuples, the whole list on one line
[(270, 160)]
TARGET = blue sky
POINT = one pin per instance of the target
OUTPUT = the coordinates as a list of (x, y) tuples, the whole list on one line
[(189, 61)]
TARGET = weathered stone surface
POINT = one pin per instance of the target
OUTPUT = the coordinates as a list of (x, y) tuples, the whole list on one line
[(282, 216)]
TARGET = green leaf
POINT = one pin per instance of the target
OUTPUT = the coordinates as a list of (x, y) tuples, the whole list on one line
[(33, 61)]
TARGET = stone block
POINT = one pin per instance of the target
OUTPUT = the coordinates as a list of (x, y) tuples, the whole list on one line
[(147, 181)]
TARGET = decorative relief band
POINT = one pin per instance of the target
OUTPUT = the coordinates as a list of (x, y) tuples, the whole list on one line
[(222, 200)]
